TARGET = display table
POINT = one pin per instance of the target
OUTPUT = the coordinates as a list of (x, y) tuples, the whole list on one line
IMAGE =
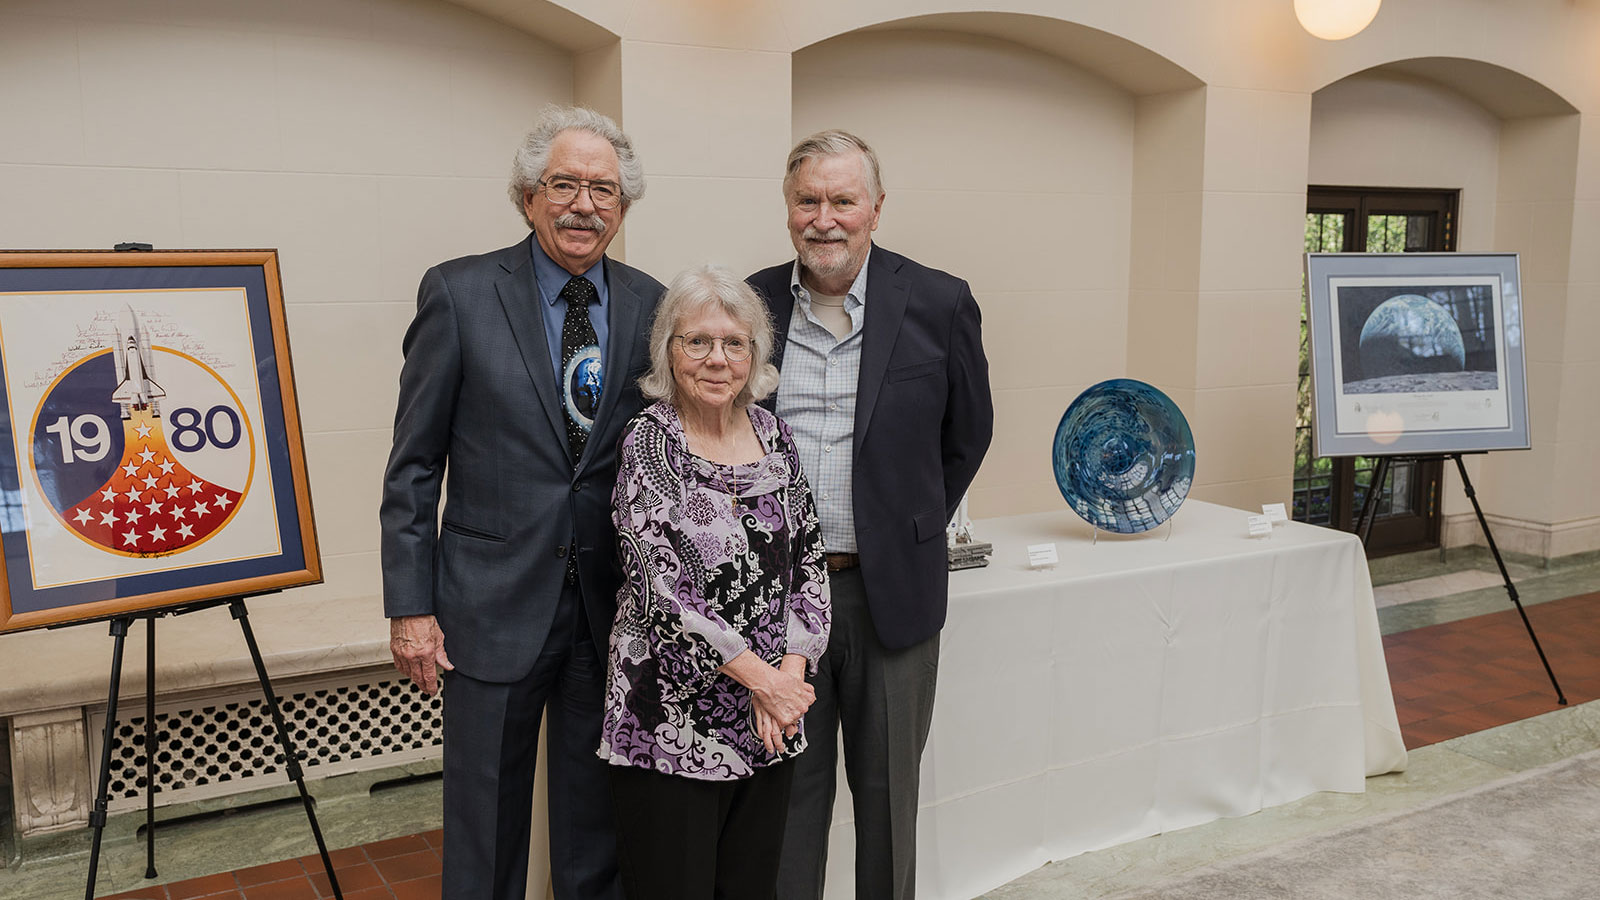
[(1144, 684)]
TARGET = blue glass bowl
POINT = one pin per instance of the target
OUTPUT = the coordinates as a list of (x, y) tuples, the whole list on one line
[(1124, 456)]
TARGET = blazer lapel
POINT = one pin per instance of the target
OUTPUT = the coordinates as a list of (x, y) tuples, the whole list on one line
[(519, 297), (887, 296), (780, 300), (618, 359)]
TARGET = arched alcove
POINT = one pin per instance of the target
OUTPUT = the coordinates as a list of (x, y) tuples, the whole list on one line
[(1010, 145), (1509, 145)]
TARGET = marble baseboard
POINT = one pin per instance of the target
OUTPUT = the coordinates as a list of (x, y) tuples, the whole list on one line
[(1539, 540)]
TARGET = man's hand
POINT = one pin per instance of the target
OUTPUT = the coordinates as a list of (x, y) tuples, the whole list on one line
[(418, 648)]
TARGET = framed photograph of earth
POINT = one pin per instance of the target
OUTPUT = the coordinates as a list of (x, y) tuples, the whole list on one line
[(1416, 353), (150, 451)]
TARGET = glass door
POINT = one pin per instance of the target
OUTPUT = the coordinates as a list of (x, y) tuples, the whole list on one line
[(1331, 491)]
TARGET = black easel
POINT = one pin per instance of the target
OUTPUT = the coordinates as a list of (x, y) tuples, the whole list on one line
[(1369, 512), (97, 818)]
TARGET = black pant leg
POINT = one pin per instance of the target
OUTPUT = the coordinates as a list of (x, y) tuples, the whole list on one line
[(583, 835), (667, 829), (491, 737), (752, 834)]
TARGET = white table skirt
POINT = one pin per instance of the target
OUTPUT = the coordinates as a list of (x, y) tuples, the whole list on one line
[(1143, 685)]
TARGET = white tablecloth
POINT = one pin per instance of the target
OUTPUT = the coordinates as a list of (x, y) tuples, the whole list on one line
[(1143, 685)]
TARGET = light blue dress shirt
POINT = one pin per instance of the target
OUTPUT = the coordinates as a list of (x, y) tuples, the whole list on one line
[(551, 278), (817, 397)]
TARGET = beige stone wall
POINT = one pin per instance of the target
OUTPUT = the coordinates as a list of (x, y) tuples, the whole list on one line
[(365, 141), (1144, 166)]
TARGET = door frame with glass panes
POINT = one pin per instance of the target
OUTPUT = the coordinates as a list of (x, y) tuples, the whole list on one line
[(1330, 491)]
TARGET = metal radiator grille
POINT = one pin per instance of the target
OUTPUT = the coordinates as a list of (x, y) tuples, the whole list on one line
[(226, 744)]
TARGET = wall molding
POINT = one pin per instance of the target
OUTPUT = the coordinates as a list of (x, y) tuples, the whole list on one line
[(1545, 540)]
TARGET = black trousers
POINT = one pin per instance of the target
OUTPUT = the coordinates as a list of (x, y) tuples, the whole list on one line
[(685, 839), (882, 700), (491, 738)]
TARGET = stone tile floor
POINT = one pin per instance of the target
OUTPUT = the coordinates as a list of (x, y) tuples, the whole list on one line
[(1473, 700)]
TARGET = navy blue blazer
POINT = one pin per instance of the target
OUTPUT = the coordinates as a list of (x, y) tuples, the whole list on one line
[(924, 419), (480, 415)]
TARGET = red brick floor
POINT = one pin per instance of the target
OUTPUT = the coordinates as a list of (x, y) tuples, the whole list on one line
[(1448, 680), (1467, 676), (405, 868)]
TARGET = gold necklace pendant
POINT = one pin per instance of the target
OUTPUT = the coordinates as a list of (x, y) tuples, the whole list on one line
[(733, 498)]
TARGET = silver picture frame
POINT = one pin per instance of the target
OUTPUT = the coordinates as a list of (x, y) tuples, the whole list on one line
[(1416, 353)]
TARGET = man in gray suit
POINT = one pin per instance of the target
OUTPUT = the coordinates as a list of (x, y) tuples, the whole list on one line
[(513, 589)]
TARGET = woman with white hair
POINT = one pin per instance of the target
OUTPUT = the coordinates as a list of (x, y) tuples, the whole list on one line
[(723, 608)]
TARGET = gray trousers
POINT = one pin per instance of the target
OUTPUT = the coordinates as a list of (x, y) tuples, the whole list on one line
[(883, 700)]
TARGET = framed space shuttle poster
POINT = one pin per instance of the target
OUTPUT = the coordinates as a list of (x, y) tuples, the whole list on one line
[(150, 451)]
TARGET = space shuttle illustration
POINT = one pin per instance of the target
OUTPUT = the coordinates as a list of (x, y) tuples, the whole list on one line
[(136, 389)]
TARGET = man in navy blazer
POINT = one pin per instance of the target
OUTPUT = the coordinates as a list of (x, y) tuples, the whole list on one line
[(886, 386), (513, 589)]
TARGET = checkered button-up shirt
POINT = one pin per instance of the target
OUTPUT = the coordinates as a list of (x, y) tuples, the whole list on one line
[(817, 397)]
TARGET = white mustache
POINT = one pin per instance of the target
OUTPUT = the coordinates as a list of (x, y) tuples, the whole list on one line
[(581, 222), (812, 233)]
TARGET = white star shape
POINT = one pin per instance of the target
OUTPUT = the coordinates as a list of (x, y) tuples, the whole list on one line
[(109, 517), (147, 454), (154, 507), (131, 537), (194, 486), (185, 532), (166, 467), (149, 481), (143, 429), (132, 495), (130, 470), (222, 501), (200, 509), (178, 512), (133, 515), (172, 490), (108, 495), (158, 533), (83, 516)]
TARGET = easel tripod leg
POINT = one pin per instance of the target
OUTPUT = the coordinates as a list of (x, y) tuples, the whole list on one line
[(1505, 576), (150, 748), (97, 818), (1369, 503), (290, 758)]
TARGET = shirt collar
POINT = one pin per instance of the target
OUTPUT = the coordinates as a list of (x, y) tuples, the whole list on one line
[(856, 296), (551, 278)]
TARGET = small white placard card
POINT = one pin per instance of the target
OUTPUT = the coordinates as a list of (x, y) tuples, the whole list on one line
[(1275, 512), (1259, 525), (1042, 556)]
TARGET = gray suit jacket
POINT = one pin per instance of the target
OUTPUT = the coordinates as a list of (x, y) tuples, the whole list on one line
[(480, 414)]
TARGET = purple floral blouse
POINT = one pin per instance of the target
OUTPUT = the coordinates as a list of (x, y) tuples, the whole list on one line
[(716, 560)]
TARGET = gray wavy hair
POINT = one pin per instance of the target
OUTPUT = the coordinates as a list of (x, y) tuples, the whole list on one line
[(834, 142), (694, 290), (531, 159)]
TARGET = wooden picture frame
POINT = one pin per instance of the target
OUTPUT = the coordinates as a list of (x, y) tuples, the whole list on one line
[(150, 454)]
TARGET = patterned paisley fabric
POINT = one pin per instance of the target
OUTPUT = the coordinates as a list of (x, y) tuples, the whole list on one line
[(716, 560)]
